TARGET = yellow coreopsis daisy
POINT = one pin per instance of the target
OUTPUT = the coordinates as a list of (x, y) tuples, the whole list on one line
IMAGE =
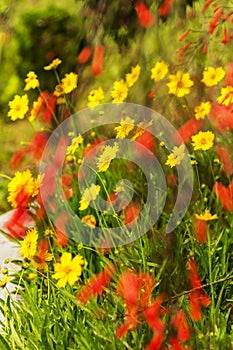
[(90, 194), (132, 77), (4, 281), (69, 82), (206, 216), (31, 81), (126, 125), (226, 96), (95, 97), (176, 156), (53, 65), (179, 84), (104, 160), (159, 71), (68, 270), (202, 110), (212, 76), (76, 142), (18, 107), (22, 187), (204, 140), (119, 92), (29, 244), (90, 220)]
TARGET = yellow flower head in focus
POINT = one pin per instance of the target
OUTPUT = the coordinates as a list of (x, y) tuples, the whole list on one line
[(126, 125), (204, 140), (22, 187), (226, 97), (159, 71), (95, 97), (53, 65), (31, 81), (104, 160), (29, 244), (206, 216), (202, 110), (212, 76), (90, 194), (69, 82), (68, 270), (179, 84), (119, 92), (18, 107), (132, 77), (176, 156)]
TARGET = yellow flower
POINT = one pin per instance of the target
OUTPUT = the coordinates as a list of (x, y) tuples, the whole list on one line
[(104, 160), (76, 142), (202, 110), (212, 76), (176, 156), (119, 92), (159, 71), (69, 82), (206, 216), (204, 140), (179, 84), (226, 96), (95, 97), (29, 244), (41, 258), (90, 194), (22, 187), (18, 107), (141, 128), (4, 281), (54, 64), (126, 125), (31, 81), (68, 270), (90, 220), (132, 77)]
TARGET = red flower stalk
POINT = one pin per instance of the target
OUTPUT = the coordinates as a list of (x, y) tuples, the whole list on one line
[(229, 74), (97, 284), (17, 158), (205, 49), (200, 230), (180, 322), (38, 144), (221, 117), (49, 105), (98, 59), (61, 235), (185, 48), (225, 159), (17, 223), (206, 5), (224, 194), (131, 212), (181, 38), (165, 8), (187, 130), (225, 37), (84, 55), (215, 20), (145, 17)]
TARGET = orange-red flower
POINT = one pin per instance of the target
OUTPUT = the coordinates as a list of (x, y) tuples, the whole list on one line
[(225, 159), (190, 128), (84, 55), (145, 17), (165, 8), (131, 212), (17, 223), (221, 116), (180, 322), (98, 60), (224, 194), (37, 144)]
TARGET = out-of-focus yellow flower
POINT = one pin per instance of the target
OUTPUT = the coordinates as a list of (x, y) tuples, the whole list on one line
[(119, 92), (90, 194), (104, 160), (4, 281), (179, 84), (226, 97), (31, 81), (204, 140), (18, 107), (133, 76), (95, 97), (176, 156), (212, 76), (68, 83), (29, 244), (76, 142), (202, 110), (68, 270), (126, 125), (90, 220), (53, 65), (159, 71)]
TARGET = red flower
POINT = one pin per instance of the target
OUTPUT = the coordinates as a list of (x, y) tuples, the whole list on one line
[(145, 17), (225, 37), (180, 322), (131, 213), (229, 74), (84, 55), (221, 117), (66, 182), (165, 8), (147, 140), (224, 194), (175, 344), (215, 20), (206, 5), (98, 59), (17, 158), (38, 144), (61, 233), (225, 159), (60, 151), (17, 222), (97, 284), (187, 130), (200, 230), (49, 104)]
